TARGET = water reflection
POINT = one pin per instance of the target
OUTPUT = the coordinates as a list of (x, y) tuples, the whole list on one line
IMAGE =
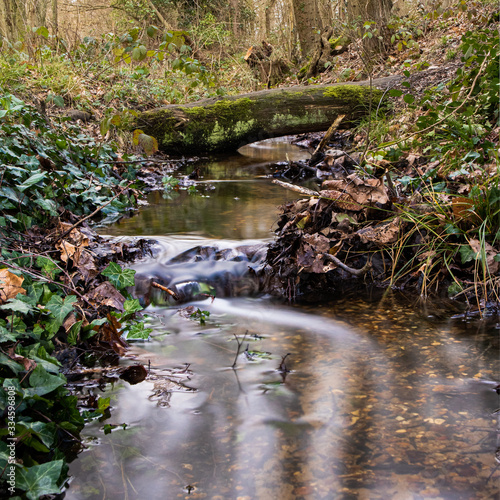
[(235, 199), (383, 404), (382, 401)]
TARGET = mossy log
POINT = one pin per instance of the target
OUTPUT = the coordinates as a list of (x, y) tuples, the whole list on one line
[(226, 124)]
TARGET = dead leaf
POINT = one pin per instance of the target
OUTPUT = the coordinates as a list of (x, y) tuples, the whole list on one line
[(67, 250), (361, 192), (69, 322), (134, 374), (110, 333), (28, 364), (85, 263), (106, 294), (381, 234), (490, 253), (10, 285)]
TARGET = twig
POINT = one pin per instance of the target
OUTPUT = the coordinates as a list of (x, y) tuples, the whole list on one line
[(233, 366), (44, 278), (76, 224), (165, 289), (350, 270), (333, 127), (297, 189)]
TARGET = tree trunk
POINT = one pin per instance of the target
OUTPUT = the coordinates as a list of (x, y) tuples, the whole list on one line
[(216, 125), (379, 11), (308, 23)]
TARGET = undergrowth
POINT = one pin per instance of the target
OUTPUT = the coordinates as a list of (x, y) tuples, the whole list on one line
[(51, 177)]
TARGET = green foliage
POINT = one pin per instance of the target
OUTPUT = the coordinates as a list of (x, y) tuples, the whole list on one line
[(405, 32), (47, 168), (200, 316), (120, 278)]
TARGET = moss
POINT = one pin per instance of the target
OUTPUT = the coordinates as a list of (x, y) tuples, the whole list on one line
[(229, 123), (340, 41), (355, 94)]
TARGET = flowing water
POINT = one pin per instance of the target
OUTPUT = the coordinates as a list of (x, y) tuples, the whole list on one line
[(365, 396)]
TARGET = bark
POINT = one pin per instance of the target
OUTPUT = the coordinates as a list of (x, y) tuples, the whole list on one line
[(267, 69), (359, 11), (307, 22), (216, 125)]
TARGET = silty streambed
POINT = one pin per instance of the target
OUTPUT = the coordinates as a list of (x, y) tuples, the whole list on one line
[(379, 396)]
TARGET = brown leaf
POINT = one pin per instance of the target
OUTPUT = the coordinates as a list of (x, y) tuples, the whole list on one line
[(381, 234), (490, 253), (134, 374), (67, 250), (110, 334), (85, 263), (361, 192), (69, 322), (10, 285), (106, 294), (28, 364)]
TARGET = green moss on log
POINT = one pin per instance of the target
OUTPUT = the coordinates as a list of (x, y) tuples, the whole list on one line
[(227, 124)]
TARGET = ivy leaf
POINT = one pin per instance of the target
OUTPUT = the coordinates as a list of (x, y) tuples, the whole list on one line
[(43, 382), (120, 278), (60, 307), (40, 480), (132, 306), (138, 332), (16, 305), (48, 205), (466, 253), (74, 332), (46, 432), (36, 177)]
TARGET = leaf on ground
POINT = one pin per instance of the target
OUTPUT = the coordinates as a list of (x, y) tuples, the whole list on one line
[(10, 285), (358, 192), (67, 250), (85, 264), (486, 251), (106, 294), (40, 480), (382, 234), (27, 363)]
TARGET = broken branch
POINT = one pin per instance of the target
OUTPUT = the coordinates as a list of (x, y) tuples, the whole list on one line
[(297, 189), (354, 272), (165, 289)]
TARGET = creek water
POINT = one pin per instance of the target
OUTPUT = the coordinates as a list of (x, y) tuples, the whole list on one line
[(364, 396)]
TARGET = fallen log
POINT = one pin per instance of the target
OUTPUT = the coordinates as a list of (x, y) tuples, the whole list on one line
[(226, 124)]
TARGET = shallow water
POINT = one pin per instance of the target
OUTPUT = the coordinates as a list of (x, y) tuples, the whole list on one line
[(379, 396)]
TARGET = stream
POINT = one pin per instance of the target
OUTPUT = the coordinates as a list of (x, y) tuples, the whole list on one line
[(367, 395)]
